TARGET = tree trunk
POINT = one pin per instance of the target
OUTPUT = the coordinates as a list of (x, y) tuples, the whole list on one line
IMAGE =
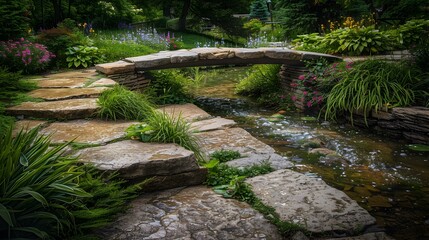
[(58, 14), (184, 14), (166, 9)]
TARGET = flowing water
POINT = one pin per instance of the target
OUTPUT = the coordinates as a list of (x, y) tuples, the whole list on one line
[(381, 174)]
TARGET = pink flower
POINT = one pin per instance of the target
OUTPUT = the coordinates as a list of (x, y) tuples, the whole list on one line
[(294, 85), (309, 104), (293, 98), (301, 77), (305, 93)]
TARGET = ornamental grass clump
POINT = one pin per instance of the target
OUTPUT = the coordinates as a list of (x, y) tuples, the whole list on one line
[(372, 84), (160, 127), (121, 103)]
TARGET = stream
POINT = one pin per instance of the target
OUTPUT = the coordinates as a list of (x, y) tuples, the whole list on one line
[(381, 174)]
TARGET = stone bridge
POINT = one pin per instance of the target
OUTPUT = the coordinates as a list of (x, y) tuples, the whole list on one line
[(209, 57)]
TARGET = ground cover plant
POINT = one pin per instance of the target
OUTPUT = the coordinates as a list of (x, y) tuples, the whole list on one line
[(46, 194), (120, 103)]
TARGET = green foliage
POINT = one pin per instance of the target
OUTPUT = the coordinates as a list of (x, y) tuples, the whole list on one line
[(254, 26), (295, 17), (259, 10), (420, 54), (414, 32), (371, 84), (115, 50), (310, 42), (14, 19), (83, 56), (5, 122), (120, 103), (38, 187), (160, 127), (225, 155), (357, 41), (11, 84), (45, 194), (169, 87)]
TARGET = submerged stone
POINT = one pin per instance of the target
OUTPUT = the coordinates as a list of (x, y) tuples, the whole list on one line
[(190, 213), (310, 202)]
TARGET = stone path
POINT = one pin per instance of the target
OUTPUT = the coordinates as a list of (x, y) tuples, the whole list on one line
[(187, 210)]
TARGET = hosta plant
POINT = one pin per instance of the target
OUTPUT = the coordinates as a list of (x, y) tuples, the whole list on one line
[(83, 56)]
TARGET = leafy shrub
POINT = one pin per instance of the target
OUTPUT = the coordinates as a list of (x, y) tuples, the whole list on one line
[(25, 56), (420, 54), (414, 32), (120, 103), (371, 84), (160, 127), (11, 84), (262, 82), (309, 42), (225, 155), (44, 194), (116, 50), (14, 20), (83, 56), (169, 87), (253, 26), (357, 41)]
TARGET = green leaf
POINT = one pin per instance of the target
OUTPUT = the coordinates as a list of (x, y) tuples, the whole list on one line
[(211, 164), (4, 214), (84, 64), (77, 63), (418, 147)]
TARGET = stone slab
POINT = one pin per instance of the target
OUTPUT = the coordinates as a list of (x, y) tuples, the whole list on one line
[(162, 182), (212, 124), (276, 161), (87, 131), (62, 83), (310, 202), (135, 159), (213, 53), (27, 125), (367, 236), (189, 112), (247, 53), (282, 53), (236, 139), (115, 67), (313, 55), (190, 213), (103, 82), (149, 61), (63, 109), (184, 56), (53, 94), (87, 73)]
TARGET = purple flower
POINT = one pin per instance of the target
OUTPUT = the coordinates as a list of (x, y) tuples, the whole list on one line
[(301, 77)]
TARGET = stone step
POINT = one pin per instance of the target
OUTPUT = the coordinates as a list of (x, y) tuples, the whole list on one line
[(63, 109), (211, 124), (310, 202), (54, 94), (103, 82), (87, 131), (27, 125), (190, 213), (85, 73), (189, 112), (61, 83)]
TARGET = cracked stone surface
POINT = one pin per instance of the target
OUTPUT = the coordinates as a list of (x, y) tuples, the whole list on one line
[(135, 159), (190, 213), (63, 109), (189, 112), (276, 161), (310, 202), (212, 124), (53, 94), (87, 131)]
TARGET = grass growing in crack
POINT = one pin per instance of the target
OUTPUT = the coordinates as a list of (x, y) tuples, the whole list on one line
[(120, 103), (229, 182), (160, 127), (225, 155)]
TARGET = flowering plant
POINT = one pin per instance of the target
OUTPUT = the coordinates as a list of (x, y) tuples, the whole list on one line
[(172, 43), (24, 55)]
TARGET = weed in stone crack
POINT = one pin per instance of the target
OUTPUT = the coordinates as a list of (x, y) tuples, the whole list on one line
[(225, 155)]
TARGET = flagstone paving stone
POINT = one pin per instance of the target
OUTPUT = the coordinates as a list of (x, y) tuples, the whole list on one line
[(61, 83), (189, 112), (52, 94)]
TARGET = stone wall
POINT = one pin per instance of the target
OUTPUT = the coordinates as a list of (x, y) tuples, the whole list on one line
[(131, 80), (409, 123)]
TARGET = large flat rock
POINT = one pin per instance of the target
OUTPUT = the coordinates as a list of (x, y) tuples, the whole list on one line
[(149, 61), (27, 125), (236, 139), (134, 159), (103, 82), (86, 73), (87, 131), (115, 67), (310, 202), (213, 53), (53, 94), (184, 56), (247, 53), (63, 109), (283, 53), (276, 161), (190, 213), (367, 236), (212, 124), (61, 83), (189, 112)]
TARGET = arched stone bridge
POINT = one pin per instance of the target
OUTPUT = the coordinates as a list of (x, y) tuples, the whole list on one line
[(209, 57)]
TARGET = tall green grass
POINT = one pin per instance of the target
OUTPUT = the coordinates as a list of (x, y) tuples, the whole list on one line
[(120, 103), (160, 127), (372, 84)]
